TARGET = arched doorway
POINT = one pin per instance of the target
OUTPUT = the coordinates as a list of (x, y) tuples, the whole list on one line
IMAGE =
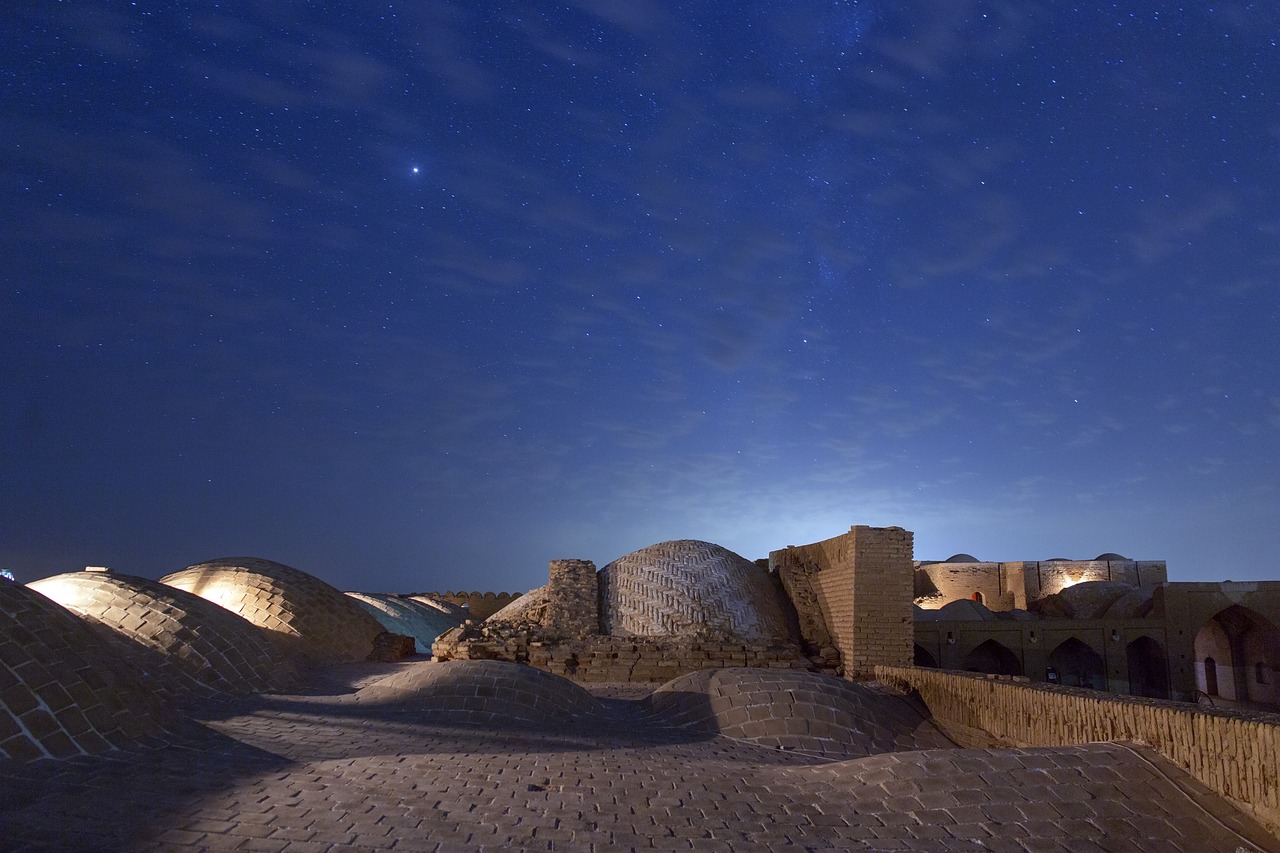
[(1148, 669), (923, 658), (992, 657), (1238, 656), (1077, 665)]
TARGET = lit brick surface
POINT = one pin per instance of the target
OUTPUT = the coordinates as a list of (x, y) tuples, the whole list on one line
[(61, 692), (321, 622), (204, 646)]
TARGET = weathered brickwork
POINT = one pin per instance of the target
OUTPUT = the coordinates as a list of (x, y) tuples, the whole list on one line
[(862, 585), (1235, 754), (573, 604)]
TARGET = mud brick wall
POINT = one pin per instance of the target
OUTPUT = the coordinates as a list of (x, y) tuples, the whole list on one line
[(573, 605), (620, 659), (862, 583), (1235, 754)]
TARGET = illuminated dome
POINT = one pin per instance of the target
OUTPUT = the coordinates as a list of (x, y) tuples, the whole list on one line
[(690, 588), (406, 616), (1087, 600), (793, 709), (301, 609), (64, 694), (481, 692), (195, 641), (443, 606)]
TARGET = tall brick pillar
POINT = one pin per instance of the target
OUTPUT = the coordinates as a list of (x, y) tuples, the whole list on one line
[(573, 605), (858, 591)]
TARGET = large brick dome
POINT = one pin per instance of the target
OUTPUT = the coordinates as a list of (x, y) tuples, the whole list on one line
[(690, 588), (402, 615), (307, 613), (200, 643), (64, 694)]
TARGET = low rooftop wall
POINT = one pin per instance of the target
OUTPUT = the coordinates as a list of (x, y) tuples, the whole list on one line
[(1236, 754)]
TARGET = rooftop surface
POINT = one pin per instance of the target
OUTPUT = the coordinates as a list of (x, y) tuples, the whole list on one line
[(328, 769)]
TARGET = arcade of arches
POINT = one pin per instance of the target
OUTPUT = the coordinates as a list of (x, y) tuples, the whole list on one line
[(1216, 643)]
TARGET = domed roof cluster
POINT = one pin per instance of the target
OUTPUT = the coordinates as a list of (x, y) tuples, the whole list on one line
[(197, 645), (481, 692), (690, 588), (1097, 600), (793, 709), (408, 616), (65, 694), (307, 613)]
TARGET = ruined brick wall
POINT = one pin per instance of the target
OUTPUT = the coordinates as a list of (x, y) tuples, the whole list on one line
[(1234, 753), (573, 601), (956, 580), (862, 588), (619, 659)]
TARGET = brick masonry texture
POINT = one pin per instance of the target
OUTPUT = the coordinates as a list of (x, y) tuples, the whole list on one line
[(324, 771), (478, 605), (62, 691), (303, 611), (787, 709), (690, 588), (481, 692), (194, 642), (857, 590), (573, 602), (1235, 754)]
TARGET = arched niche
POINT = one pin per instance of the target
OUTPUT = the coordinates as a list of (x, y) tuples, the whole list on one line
[(992, 657), (1078, 665), (1238, 653), (924, 658), (1148, 668)]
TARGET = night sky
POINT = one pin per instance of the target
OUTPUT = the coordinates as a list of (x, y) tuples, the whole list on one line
[(419, 296)]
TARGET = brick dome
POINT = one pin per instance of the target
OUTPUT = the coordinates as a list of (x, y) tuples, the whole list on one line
[(690, 588), (64, 694), (792, 709), (204, 646), (402, 615), (307, 613), (481, 692)]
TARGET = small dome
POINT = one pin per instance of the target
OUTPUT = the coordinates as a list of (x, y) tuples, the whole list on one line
[(307, 613), (65, 694), (401, 615), (1111, 557), (481, 692), (690, 588), (962, 558), (793, 709), (205, 646), (964, 609)]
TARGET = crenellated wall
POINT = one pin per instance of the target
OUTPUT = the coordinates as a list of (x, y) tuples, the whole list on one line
[(481, 605), (1236, 754)]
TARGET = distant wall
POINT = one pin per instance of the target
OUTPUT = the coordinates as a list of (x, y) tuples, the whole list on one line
[(481, 604), (1235, 754), (1009, 585)]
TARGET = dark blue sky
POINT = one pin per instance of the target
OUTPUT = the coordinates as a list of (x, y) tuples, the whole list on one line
[(420, 296)]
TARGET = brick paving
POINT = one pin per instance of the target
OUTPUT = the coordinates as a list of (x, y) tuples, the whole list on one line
[(321, 771)]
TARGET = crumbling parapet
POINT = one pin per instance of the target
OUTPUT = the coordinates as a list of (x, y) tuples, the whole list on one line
[(573, 601), (858, 588)]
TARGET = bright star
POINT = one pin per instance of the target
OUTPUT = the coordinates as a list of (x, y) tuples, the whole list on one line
[(416, 170)]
